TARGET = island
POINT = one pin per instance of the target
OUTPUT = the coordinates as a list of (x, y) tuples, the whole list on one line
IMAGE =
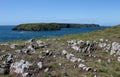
[(50, 26)]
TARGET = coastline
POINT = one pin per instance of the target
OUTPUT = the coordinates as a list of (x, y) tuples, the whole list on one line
[(53, 54)]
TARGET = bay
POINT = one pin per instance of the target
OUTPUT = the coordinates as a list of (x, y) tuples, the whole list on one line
[(7, 34)]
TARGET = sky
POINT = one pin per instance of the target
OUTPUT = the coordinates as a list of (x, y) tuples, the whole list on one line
[(103, 12)]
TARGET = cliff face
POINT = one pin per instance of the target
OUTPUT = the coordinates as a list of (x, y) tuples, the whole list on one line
[(50, 26)]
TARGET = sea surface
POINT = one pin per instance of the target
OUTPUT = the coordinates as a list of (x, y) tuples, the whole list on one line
[(7, 34)]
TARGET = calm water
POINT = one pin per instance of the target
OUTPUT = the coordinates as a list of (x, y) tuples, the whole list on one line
[(6, 34)]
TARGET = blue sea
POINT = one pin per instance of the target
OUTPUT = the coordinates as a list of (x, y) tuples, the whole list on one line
[(7, 34)]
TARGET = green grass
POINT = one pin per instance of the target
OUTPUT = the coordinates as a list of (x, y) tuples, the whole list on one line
[(112, 33)]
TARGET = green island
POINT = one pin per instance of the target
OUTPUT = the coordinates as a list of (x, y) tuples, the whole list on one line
[(59, 57), (50, 26)]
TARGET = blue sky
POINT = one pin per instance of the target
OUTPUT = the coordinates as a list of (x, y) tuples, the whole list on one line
[(103, 12)]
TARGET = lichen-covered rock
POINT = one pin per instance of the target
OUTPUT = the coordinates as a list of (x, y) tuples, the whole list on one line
[(115, 49), (118, 59), (13, 46), (40, 65), (81, 65), (19, 67), (64, 52), (18, 51), (40, 44)]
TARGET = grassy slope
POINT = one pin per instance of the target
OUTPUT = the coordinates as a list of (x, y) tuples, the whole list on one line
[(104, 69), (112, 34)]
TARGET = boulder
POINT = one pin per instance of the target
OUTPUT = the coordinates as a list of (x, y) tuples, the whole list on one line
[(26, 74), (80, 60), (13, 46), (25, 50), (73, 59), (115, 49), (40, 44), (88, 69), (60, 64), (1, 58), (46, 53), (68, 56), (118, 59), (31, 48), (3, 71), (46, 70), (81, 65), (64, 52), (10, 58), (40, 65), (31, 41), (109, 60), (18, 51), (19, 67), (99, 60), (75, 48)]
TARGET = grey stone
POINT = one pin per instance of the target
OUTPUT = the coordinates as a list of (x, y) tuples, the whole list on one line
[(40, 43), (64, 52), (73, 59), (88, 69), (68, 56), (19, 67), (118, 59), (40, 65), (13, 46), (46, 70), (81, 65), (75, 48), (18, 51), (3, 71)]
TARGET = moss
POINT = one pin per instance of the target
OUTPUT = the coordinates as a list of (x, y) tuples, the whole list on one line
[(47, 74)]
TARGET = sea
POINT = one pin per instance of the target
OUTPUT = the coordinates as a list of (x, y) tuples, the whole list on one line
[(7, 34)]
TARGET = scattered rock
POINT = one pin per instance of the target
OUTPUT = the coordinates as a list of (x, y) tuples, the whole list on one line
[(115, 49), (118, 59), (40, 65), (13, 46), (19, 67), (59, 64), (109, 60), (26, 75), (99, 60), (18, 51), (64, 52), (81, 65), (46, 70), (3, 71)]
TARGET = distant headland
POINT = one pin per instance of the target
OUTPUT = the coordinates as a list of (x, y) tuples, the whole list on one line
[(50, 26)]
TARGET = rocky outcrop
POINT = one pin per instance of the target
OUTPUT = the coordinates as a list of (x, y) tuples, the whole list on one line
[(20, 67), (82, 46), (35, 57)]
